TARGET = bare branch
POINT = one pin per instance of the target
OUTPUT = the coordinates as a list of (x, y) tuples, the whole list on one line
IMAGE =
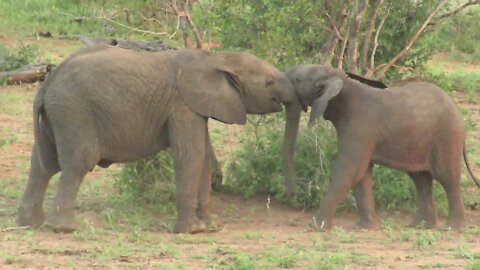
[(343, 48), (442, 17), (368, 35), (132, 28), (330, 46), (116, 23), (375, 46), (333, 24), (352, 52), (196, 34), (410, 42)]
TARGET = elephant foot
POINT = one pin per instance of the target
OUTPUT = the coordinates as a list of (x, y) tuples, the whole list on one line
[(420, 222), (320, 224), (368, 224), (61, 223), (213, 222), (31, 218), (189, 225), (456, 223)]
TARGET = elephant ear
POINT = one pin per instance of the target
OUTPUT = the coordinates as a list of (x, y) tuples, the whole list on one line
[(325, 89), (213, 92), (372, 83)]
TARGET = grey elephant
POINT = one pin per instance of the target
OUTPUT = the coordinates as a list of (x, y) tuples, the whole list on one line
[(415, 128), (107, 105)]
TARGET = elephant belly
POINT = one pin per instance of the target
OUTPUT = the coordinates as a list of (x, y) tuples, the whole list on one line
[(409, 159), (132, 146)]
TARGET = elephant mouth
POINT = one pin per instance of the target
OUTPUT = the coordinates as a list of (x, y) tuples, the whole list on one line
[(277, 106)]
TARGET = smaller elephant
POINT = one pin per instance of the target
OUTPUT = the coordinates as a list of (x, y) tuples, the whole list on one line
[(107, 105), (415, 128)]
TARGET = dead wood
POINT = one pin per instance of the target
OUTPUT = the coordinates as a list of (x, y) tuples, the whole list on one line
[(152, 46), (27, 74)]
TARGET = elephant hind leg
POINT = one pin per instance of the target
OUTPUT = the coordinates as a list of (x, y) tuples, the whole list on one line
[(447, 171), (76, 157), (42, 167), (365, 203), (426, 213)]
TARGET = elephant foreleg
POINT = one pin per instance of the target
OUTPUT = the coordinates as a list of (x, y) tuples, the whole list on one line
[(188, 142), (351, 164), (365, 203)]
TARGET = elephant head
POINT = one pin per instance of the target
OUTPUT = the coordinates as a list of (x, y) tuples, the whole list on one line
[(315, 86), (228, 85)]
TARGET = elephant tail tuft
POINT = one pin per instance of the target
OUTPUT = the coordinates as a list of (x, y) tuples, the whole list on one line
[(468, 166)]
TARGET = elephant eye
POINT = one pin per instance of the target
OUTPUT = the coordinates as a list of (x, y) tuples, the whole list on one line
[(270, 81), (319, 89)]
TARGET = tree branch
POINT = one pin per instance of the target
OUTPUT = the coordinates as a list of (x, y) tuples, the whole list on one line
[(330, 46), (410, 43), (368, 35), (343, 48), (454, 12), (352, 52), (375, 46)]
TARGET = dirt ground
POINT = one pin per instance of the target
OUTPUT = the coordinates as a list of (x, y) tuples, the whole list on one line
[(257, 234)]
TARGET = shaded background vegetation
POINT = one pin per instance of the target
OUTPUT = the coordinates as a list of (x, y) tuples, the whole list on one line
[(285, 33)]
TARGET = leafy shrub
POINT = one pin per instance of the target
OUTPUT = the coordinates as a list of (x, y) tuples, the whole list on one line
[(17, 57), (150, 181), (256, 167)]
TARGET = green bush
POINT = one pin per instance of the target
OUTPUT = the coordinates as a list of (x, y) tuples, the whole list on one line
[(256, 167), (17, 57), (150, 181)]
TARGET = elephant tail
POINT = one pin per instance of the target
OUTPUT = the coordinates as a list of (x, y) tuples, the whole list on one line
[(39, 116), (468, 166)]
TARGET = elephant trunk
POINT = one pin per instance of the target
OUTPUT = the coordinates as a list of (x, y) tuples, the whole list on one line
[(293, 119)]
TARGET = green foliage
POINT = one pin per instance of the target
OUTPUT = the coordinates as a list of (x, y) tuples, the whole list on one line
[(458, 80), (256, 166), (17, 57), (459, 35), (288, 33), (88, 17), (150, 181), (269, 28)]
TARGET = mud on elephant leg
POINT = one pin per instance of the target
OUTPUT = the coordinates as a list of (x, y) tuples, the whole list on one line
[(30, 210), (426, 215), (365, 203)]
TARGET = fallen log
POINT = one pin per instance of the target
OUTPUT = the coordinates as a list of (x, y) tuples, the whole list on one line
[(38, 72), (152, 46), (27, 74)]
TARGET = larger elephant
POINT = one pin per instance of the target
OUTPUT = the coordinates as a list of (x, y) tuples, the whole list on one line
[(415, 128), (107, 105)]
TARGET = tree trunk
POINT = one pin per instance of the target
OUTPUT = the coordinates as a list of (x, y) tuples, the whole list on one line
[(356, 22), (368, 36)]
